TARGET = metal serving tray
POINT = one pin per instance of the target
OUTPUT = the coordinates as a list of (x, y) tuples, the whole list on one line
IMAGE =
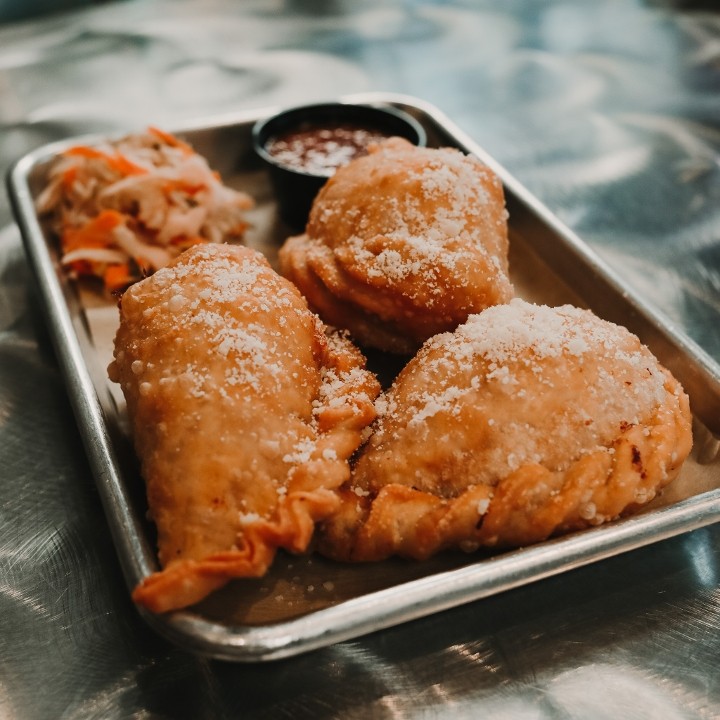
[(308, 602)]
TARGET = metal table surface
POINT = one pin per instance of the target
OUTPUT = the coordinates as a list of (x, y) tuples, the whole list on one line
[(608, 111)]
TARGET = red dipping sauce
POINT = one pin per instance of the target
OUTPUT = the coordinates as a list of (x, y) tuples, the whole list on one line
[(321, 150)]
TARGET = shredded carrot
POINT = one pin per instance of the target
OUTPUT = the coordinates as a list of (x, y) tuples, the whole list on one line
[(117, 277), (85, 151), (117, 162), (124, 166), (95, 233), (170, 139), (183, 186)]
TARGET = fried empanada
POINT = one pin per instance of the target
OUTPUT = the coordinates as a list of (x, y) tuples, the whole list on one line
[(244, 411), (526, 422), (402, 244)]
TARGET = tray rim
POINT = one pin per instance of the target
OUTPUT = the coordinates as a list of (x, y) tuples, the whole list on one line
[(380, 609)]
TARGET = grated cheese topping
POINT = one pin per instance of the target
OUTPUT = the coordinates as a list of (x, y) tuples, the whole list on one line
[(239, 338), (517, 384), (416, 218)]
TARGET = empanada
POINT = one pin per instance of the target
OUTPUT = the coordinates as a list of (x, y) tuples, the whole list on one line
[(402, 244), (526, 422), (244, 412)]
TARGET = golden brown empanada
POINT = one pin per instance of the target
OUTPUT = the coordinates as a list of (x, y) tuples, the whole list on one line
[(402, 244), (527, 421), (244, 412)]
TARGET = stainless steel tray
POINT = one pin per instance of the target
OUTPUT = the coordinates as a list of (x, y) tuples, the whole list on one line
[(308, 602)]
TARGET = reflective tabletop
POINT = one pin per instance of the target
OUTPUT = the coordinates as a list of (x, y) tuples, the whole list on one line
[(609, 112)]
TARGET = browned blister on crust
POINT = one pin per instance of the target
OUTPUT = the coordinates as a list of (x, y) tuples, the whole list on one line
[(402, 244), (524, 423), (244, 411)]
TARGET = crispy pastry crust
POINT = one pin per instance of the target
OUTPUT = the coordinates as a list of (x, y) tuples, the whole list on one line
[(244, 412), (526, 422), (402, 244)]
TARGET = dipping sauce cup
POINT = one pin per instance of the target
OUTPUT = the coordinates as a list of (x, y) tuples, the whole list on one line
[(303, 146)]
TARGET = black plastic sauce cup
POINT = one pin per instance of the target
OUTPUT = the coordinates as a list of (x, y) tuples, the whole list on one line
[(294, 188)]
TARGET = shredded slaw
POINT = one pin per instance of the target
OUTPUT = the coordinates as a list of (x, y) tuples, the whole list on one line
[(124, 209)]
